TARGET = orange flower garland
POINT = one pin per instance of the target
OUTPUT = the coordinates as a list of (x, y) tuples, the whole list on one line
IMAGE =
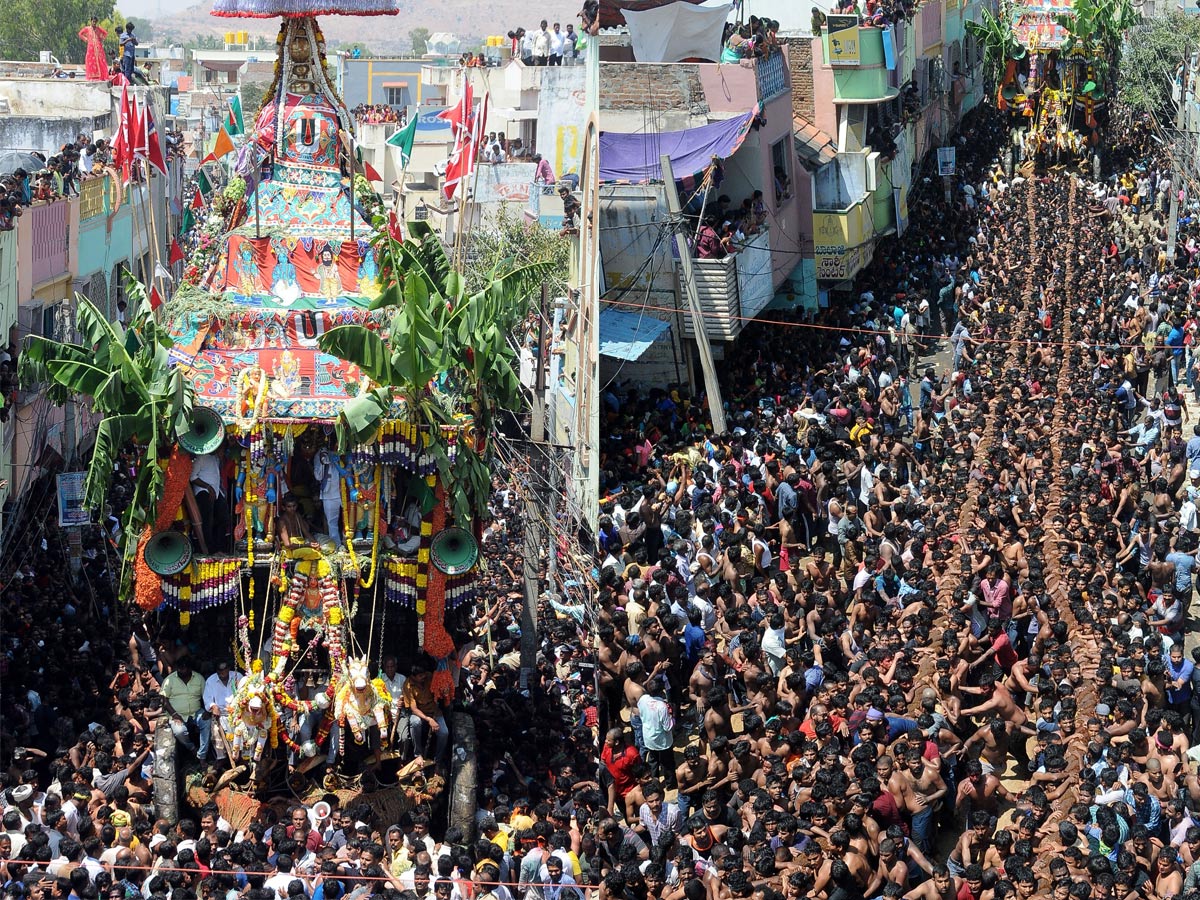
[(438, 642), (147, 586), (175, 483)]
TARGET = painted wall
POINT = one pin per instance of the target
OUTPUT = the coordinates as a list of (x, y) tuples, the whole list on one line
[(562, 117), (363, 79)]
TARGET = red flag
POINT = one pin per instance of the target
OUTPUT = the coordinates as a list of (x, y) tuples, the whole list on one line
[(459, 115), (154, 154), (478, 133), (466, 147), (395, 229), (137, 129), (197, 199), (212, 157), (156, 299), (176, 252), (121, 146), (371, 172)]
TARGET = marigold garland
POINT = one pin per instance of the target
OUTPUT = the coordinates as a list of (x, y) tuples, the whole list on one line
[(438, 642), (147, 585)]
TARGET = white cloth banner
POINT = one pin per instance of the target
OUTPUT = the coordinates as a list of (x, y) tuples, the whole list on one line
[(676, 32)]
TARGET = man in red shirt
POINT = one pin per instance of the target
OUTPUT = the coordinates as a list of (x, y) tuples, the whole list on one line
[(619, 758), (1001, 650), (302, 832)]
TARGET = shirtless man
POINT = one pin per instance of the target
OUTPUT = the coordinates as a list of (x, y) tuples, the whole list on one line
[(942, 886), (694, 776)]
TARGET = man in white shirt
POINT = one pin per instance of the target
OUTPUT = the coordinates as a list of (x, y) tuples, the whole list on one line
[(218, 688), (394, 682), (541, 45), (557, 46)]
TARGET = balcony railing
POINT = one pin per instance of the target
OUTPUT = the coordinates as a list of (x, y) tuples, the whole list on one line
[(733, 290), (772, 76)]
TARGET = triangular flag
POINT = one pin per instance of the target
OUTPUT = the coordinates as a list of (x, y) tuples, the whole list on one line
[(197, 199), (224, 145), (403, 139), (210, 158), (187, 221), (371, 173), (154, 154), (233, 120), (155, 297), (176, 252), (203, 183), (459, 115)]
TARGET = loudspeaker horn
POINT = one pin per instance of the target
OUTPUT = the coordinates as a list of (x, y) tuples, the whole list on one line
[(205, 432), (454, 551), (168, 553)]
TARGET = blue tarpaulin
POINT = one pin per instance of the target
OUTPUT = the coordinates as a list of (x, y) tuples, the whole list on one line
[(627, 335)]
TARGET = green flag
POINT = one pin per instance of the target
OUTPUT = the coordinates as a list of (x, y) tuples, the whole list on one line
[(186, 223), (404, 139), (203, 183), (233, 121)]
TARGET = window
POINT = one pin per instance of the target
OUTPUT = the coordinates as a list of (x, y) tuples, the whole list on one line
[(781, 165), (397, 96), (50, 321)]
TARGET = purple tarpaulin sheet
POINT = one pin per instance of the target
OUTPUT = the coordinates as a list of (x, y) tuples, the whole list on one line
[(633, 158)]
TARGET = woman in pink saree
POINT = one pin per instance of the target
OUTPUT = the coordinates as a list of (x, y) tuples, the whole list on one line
[(95, 65)]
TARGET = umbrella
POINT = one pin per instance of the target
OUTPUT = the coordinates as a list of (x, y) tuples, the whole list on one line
[(12, 160)]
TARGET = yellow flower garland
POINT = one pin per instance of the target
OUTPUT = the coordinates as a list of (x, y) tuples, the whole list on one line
[(248, 501), (348, 527), (375, 531)]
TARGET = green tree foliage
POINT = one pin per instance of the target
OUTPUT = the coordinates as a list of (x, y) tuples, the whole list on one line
[(506, 235), (29, 26), (1155, 51), (419, 38), (444, 349), (128, 378)]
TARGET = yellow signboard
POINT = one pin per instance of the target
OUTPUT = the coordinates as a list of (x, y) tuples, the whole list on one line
[(843, 40), (91, 197), (837, 243)]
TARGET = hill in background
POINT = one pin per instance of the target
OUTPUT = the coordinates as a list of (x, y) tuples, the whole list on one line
[(468, 19)]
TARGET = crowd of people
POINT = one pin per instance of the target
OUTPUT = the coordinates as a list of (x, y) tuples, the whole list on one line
[(890, 637), (86, 683), (915, 625), (756, 39), (549, 45), (379, 114), (61, 174)]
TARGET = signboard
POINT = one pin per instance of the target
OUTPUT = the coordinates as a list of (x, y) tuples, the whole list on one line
[(837, 243), (843, 40), (945, 160), (91, 197), (70, 500), (429, 126)]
